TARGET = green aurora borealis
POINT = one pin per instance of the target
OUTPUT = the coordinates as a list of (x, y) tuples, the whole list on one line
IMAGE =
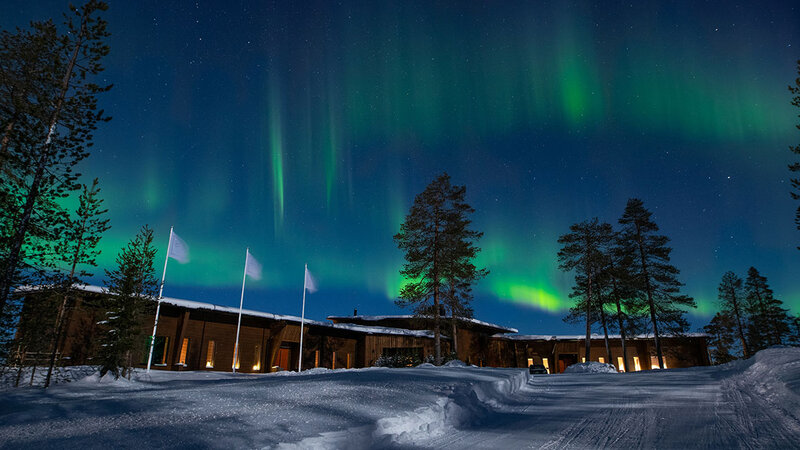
[(303, 130)]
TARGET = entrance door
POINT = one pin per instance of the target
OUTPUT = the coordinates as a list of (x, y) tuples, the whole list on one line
[(565, 360), (282, 360)]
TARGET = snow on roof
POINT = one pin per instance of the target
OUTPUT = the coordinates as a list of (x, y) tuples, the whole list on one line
[(191, 304), (580, 337), (409, 316)]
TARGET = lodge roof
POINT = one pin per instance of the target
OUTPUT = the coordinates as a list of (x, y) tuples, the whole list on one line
[(490, 327), (191, 304)]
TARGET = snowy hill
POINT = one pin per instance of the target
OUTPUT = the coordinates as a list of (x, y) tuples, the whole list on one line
[(751, 403)]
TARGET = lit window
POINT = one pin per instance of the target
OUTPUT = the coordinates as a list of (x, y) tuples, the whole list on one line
[(530, 362), (210, 355), (236, 356), (348, 361), (665, 363), (257, 365), (184, 351), (333, 361), (583, 359), (636, 365), (546, 364), (601, 359), (654, 362), (316, 358), (620, 364)]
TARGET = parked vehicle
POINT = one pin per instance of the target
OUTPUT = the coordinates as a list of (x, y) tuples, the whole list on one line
[(537, 369)]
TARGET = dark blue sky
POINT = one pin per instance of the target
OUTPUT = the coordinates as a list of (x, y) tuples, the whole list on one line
[(304, 129)]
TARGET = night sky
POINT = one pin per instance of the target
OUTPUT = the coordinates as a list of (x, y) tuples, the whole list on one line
[(304, 129)]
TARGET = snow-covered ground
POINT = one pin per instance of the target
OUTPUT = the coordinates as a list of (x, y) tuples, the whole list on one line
[(745, 404)]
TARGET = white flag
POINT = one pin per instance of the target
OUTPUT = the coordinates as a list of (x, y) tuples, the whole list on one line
[(178, 249), (252, 267), (311, 283)]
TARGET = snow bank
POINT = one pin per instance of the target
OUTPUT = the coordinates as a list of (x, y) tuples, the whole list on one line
[(772, 375), (591, 367), (61, 375), (455, 363)]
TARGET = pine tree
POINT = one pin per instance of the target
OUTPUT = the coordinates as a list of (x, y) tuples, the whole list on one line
[(439, 249), (795, 167), (48, 116), (580, 252), (131, 288), (720, 331), (769, 321), (78, 249), (653, 279), (731, 299)]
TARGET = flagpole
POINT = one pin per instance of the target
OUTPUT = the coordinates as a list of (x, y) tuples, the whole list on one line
[(158, 308), (241, 302), (302, 320)]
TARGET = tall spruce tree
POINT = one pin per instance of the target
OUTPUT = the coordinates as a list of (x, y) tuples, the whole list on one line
[(78, 249), (731, 298), (769, 321), (795, 166), (131, 288), (581, 253), (439, 248), (49, 112), (654, 281)]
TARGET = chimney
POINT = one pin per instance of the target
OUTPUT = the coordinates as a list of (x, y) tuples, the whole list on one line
[(355, 312)]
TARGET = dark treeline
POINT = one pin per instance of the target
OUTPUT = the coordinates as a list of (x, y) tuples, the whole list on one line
[(750, 319), (48, 113)]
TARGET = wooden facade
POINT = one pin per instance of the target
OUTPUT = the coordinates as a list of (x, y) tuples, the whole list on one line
[(201, 336)]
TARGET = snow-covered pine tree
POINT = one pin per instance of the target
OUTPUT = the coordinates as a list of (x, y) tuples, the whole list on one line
[(769, 320), (131, 289), (654, 281), (731, 301)]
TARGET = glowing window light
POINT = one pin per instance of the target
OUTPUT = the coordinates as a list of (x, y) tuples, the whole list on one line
[(184, 350), (236, 356), (348, 361), (530, 362), (654, 363), (333, 361), (620, 364), (316, 358), (601, 359), (583, 359), (210, 355), (636, 365), (546, 364)]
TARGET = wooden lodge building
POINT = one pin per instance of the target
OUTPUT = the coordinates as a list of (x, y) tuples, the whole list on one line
[(201, 336)]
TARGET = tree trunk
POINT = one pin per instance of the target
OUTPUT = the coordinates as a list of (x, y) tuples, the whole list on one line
[(588, 317), (41, 165), (650, 303), (455, 337), (620, 321), (605, 332), (745, 350), (437, 339), (60, 317), (33, 373)]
